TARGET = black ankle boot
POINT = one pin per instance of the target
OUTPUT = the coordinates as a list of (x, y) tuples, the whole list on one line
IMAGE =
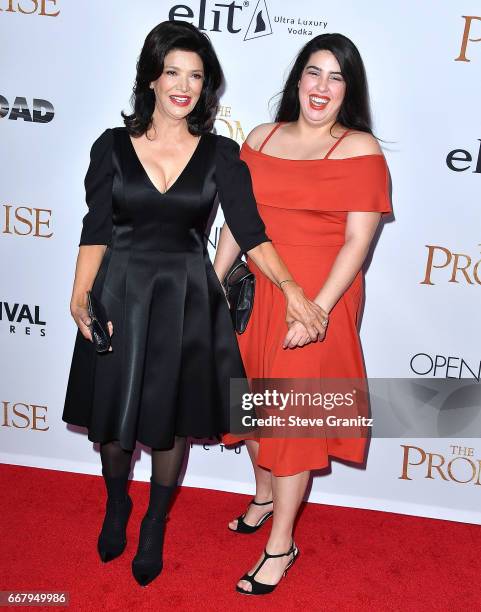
[(147, 563), (112, 539)]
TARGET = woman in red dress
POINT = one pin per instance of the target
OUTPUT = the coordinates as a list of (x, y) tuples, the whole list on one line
[(321, 184)]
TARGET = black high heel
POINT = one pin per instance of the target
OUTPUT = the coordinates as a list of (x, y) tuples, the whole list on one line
[(112, 539), (148, 563), (259, 588), (243, 527)]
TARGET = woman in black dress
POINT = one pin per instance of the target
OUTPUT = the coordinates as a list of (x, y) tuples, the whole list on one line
[(150, 188)]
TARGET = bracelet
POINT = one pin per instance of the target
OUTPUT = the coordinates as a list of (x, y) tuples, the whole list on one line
[(287, 280)]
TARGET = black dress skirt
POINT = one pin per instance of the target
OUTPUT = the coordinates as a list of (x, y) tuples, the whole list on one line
[(174, 348)]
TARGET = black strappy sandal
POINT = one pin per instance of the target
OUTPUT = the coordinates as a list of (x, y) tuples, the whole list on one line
[(259, 588), (243, 527)]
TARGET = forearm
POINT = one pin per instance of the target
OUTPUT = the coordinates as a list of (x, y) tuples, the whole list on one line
[(268, 261), (227, 251), (344, 270), (299, 308), (263, 255), (88, 264)]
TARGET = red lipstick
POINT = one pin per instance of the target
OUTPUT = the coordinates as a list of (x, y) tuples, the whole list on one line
[(180, 100), (318, 102)]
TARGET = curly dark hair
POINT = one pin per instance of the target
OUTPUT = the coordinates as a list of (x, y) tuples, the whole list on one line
[(165, 37), (355, 110)]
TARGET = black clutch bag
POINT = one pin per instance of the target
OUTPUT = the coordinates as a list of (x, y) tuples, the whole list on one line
[(98, 326), (239, 285)]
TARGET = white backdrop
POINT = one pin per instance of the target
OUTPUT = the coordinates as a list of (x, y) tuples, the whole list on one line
[(73, 64)]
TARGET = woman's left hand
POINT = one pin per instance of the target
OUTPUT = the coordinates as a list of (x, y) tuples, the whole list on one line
[(297, 336)]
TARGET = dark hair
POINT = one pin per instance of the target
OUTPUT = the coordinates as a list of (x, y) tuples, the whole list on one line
[(355, 111), (165, 37)]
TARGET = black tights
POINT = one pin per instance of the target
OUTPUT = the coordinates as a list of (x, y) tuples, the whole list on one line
[(115, 460), (166, 464)]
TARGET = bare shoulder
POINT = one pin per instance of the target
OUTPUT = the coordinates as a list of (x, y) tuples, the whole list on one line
[(359, 143), (258, 134)]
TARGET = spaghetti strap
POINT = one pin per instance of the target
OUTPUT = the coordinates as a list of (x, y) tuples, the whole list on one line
[(336, 143), (277, 126)]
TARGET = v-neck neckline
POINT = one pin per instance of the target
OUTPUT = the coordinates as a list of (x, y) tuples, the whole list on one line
[(184, 169)]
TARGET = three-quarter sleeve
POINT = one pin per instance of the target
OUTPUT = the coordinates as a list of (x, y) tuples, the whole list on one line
[(234, 186), (97, 223)]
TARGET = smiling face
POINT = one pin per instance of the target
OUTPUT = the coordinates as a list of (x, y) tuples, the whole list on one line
[(321, 88), (179, 87)]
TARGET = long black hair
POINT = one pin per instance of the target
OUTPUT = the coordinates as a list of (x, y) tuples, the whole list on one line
[(165, 37), (355, 112)]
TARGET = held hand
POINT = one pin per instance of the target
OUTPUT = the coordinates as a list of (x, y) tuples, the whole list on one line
[(300, 309), (297, 336)]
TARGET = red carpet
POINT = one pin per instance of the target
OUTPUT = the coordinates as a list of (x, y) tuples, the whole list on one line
[(350, 559)]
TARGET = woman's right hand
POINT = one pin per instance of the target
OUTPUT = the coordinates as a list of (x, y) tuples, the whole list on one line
[(80, 314), (81, 317)]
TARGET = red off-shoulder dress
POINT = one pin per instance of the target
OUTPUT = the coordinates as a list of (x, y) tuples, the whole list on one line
[(304, 205)]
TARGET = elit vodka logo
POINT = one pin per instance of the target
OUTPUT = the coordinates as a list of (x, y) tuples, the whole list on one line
[(260, 23), (220, 16)]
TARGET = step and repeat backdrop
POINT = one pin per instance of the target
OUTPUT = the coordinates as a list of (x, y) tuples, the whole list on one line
[(67, 70)]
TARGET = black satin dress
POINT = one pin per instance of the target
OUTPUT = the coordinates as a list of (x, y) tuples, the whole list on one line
[(174, 348)]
